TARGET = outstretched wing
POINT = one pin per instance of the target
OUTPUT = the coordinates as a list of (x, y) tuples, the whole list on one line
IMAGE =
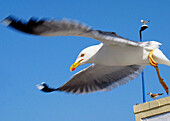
[(65, 28), (101, 77)]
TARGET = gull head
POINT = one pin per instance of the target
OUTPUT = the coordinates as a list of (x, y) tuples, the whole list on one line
[(85, 56), (142, 21), (149, 93)]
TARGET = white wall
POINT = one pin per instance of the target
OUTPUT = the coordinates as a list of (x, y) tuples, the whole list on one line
[(161, 117)]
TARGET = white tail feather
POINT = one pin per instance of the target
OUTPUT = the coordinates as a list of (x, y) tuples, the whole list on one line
[(160, 58), (151, 45)]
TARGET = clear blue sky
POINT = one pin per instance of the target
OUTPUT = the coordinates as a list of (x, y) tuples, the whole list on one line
[(26, 60)]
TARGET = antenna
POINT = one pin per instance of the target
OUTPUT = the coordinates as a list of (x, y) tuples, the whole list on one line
[(143, 27)]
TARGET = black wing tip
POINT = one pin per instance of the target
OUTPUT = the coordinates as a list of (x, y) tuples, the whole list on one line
[(13, 18), (7, 20), (21, 25), (45, 88)]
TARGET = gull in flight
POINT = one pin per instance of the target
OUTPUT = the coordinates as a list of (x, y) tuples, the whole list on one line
[(154, 95), (115, 61)]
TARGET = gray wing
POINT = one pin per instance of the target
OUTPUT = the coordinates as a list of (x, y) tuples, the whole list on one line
[(65, 28), (101, 77)]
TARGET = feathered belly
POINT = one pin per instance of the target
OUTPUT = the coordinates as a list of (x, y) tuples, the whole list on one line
[(121, 55)]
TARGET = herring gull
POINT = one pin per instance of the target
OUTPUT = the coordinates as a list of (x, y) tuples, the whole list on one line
[(144, 22), (115, 61), (155, 95)]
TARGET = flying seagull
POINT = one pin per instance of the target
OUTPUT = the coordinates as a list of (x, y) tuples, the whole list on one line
[(154, 95), (115, 61)]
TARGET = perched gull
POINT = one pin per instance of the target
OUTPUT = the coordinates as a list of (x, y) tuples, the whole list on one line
[(144, 22), (115, 61), (154, 95)]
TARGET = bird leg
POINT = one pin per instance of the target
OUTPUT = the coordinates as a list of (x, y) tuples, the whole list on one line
[(155, 65)]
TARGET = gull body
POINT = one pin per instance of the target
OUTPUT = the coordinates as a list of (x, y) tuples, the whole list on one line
[(144, 22), (155, 95), (136, 55)]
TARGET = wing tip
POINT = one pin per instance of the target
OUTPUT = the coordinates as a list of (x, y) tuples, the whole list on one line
[(8, 20), (21, 25), (40, 86)]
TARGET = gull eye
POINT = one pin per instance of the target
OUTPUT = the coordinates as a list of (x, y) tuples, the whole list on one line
[(82, 55)]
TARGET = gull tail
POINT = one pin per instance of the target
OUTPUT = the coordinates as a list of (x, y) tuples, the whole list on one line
[(160, 93), (150, 45), (160, 58)]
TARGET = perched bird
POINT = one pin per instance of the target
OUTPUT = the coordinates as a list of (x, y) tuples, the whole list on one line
[(115, 61), (144, 22), (43, 87), (154, 95)]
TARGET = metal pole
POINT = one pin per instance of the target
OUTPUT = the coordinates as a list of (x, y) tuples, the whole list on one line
[(143, 27)]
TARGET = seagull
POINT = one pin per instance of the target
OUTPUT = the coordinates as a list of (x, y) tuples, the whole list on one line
[(144, 22), (114, 62), (154, 95)]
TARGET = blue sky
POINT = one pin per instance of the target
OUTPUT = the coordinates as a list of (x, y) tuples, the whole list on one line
[(26, 60)]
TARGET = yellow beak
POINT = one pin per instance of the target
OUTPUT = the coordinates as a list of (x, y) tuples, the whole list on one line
[(75, 65)]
